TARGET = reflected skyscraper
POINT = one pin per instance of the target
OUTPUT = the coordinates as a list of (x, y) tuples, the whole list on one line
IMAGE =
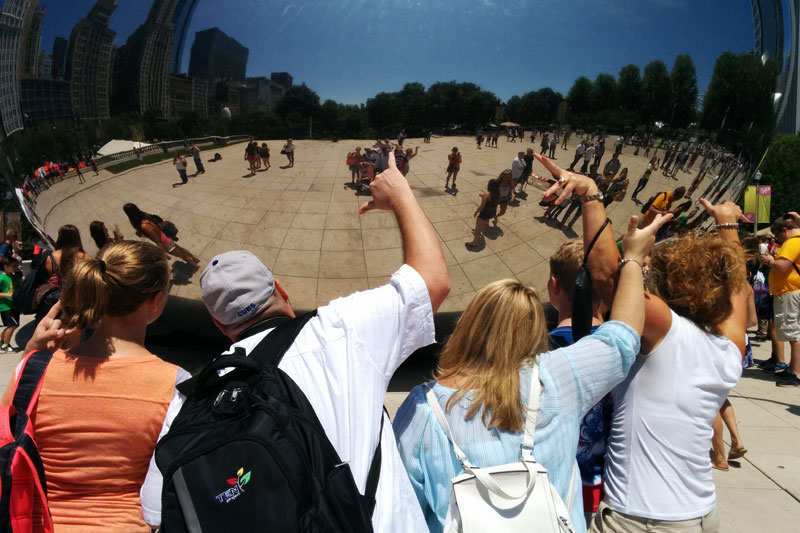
[(88, 66), (142, 65), (768, 25), (59, 57), (789, 101), (12, 18), (183, 16), (215, 55), (29, 60)]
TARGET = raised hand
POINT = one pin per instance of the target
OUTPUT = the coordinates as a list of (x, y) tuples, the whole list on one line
[(567, 181), (723, 213), (48, 335), (636, 243), (387, 187)]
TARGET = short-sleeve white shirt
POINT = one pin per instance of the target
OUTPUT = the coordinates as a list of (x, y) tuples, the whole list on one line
[(342, 360)]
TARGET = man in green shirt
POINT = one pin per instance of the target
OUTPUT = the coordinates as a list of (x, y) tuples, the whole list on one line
[(9, 281)]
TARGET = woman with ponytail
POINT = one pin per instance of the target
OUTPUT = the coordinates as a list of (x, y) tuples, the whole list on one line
[(103, 402)]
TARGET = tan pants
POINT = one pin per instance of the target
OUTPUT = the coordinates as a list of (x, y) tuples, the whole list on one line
[(607, 520)]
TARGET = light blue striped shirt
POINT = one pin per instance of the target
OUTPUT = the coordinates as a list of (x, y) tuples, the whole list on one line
[(574, 379)]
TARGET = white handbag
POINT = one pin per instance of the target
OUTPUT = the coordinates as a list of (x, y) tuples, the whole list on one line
[(514, 497)]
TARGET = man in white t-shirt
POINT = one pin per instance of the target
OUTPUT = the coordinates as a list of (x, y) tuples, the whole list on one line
[(579, 150), (344, 357)]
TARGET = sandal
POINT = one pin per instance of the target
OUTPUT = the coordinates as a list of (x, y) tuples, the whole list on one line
[(736, 454)]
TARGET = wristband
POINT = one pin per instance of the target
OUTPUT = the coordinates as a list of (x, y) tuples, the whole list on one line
[(727, 225)]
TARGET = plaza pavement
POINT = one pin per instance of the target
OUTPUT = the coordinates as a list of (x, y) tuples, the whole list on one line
[(303, 223)]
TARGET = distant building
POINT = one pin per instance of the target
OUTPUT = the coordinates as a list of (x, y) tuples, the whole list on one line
[(142, 64), (282, 78), (45, 100), (88, 66), (261, 95), (228, 94), (45, 69), (32, 46), (181, 20), (59, 57), (12, 17), (200, 96), (216, 56)]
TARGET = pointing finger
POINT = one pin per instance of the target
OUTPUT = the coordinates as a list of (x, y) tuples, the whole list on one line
[(392, 161)]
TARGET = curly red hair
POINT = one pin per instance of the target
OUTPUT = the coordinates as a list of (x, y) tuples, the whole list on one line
[(697, 276)]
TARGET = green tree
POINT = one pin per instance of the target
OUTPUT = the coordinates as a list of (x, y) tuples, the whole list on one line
[(579, 96), (604, 93), (683, 85), (780, 169), (301, 100), (383, 112), (656, 93), (738, 103), (629, 88), (328, 118), (514, 109)]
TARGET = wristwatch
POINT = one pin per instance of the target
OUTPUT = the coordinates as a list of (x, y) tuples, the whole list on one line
[(598, 196)]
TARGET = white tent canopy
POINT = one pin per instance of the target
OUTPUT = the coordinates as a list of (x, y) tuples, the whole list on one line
[(114, 146)]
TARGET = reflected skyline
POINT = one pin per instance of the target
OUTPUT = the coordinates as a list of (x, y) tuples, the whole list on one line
[(337, 48)]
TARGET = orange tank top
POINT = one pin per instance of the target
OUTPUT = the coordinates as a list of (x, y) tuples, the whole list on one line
[(96, 425)]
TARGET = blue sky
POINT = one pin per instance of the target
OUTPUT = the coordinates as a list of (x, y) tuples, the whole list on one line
[(349, 50)]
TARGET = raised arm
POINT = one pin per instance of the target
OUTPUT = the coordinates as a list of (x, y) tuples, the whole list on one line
[(603, 261), (735, 326), (421, 247)]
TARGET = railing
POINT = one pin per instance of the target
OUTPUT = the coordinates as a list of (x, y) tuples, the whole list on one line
[(165, 146)]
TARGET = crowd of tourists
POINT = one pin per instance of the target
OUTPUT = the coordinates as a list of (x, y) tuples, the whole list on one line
[(610, 410)]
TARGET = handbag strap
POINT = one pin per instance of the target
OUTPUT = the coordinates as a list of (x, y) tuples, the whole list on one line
[(438, 413), (530, 417), (483, 477)]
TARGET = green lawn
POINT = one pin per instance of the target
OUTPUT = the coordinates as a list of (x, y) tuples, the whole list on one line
[(149, 159)]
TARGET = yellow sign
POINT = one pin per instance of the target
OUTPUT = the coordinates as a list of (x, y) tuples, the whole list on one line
[(764, 198)]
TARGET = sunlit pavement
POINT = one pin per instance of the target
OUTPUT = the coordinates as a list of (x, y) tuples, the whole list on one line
[(302, 222)]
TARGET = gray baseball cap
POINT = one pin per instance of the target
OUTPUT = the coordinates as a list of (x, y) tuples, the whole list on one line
[(235, 285)]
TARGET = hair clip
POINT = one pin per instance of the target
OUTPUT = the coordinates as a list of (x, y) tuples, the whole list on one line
[(102, 266)]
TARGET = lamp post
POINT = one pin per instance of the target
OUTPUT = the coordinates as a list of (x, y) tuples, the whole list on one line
[(757, 178)]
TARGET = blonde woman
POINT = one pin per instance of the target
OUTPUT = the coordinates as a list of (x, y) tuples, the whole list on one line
[(483, 378), (103, 402)]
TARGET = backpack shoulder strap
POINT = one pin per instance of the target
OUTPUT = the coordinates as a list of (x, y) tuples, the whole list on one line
[(271, 349), (374, 474), (29, 382)]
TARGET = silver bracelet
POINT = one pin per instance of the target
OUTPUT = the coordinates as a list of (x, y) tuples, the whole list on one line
[(622, 263), (727, 225)]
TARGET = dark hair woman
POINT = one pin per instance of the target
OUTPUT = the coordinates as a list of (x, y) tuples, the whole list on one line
[(146, 226), (58, 264), (100, 236)]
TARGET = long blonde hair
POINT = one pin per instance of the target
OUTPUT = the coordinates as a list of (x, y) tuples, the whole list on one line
[(502, 329)]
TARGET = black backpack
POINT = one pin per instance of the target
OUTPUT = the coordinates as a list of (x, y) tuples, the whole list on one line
[(169, 228), (23, 297), (648, 203), (246, 452)]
